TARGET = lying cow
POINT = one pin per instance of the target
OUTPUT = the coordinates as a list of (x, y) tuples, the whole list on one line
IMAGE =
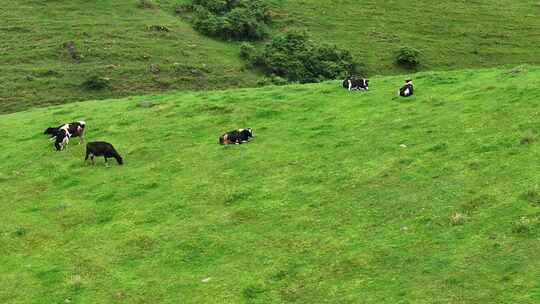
[(356, 84), (75, 129), (236, 137), (101, 148), (406, 90)]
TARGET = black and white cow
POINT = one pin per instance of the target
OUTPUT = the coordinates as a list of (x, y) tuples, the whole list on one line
[(75, 129), (352, 83), (407, 89), (61, 139), (101, 148), (237, 137)]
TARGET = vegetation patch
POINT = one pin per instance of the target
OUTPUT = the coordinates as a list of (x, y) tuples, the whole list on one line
[(146, 4), (531, 196), (229, 19), (408, 57), (96, 82), (523, 226), (297, 58)]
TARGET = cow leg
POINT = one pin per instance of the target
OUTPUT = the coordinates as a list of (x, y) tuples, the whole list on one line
[(81, 136), (106, 162), (92, 159)]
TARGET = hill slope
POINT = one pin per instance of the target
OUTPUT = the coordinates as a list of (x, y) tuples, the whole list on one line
[(113, 39), (341, 197), (450, 34)]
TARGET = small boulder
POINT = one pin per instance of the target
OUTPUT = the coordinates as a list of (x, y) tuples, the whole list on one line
[(146, 104)]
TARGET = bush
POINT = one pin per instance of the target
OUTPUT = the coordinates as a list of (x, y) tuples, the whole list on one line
[(408, 57), (95, 82), (247, 50), (295, 57), (523, 226), (250, 54), (146, 4), (229, 19)]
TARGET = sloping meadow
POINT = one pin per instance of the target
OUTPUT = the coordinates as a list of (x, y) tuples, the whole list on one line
[(341, 197)]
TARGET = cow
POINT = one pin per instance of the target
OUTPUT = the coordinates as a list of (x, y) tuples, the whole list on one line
[(61, 139), (236, 137), (75, 129), (101, 148), (351, 83), (407, 89)]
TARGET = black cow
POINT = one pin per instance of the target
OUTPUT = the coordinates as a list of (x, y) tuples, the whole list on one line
[(75, 129), (101, 148), (406, 90), (237, 137), (352, 83)]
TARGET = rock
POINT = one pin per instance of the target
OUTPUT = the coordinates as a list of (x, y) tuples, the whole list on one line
[(403, 146), (72, 50), (158, 28), (206, 280), (146, 104), (154, 68)]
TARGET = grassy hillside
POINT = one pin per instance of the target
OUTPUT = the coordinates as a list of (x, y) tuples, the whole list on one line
[(341, 197), (113, 41), (450, 34)]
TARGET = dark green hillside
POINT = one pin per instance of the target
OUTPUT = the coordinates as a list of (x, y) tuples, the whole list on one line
[(340, 198), (112, 41), (450, 34)]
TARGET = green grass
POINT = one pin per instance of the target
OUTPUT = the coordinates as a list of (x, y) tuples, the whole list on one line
[(450, 34), (341, 197), (113, 38), (114, 41)]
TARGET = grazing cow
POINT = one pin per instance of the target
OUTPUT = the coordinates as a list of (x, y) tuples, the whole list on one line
[(75, 129), (101, 148), (352, 83), (406, 90), (237, 137), (61, 139)]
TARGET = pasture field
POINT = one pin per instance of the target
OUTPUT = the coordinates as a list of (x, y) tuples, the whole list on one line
[(341, 197), (450, 34), (113, 40)]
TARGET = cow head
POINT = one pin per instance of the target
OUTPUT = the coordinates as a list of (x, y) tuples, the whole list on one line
[(51, 131), (224, 139), (250, 132)]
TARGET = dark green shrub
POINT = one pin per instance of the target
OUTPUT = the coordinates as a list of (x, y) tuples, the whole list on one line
[(408, 57), (190, 70), (250, 54), (95, 82), (295, 57), (276, 80), (217, 7), (247, 51), (229, 19)]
